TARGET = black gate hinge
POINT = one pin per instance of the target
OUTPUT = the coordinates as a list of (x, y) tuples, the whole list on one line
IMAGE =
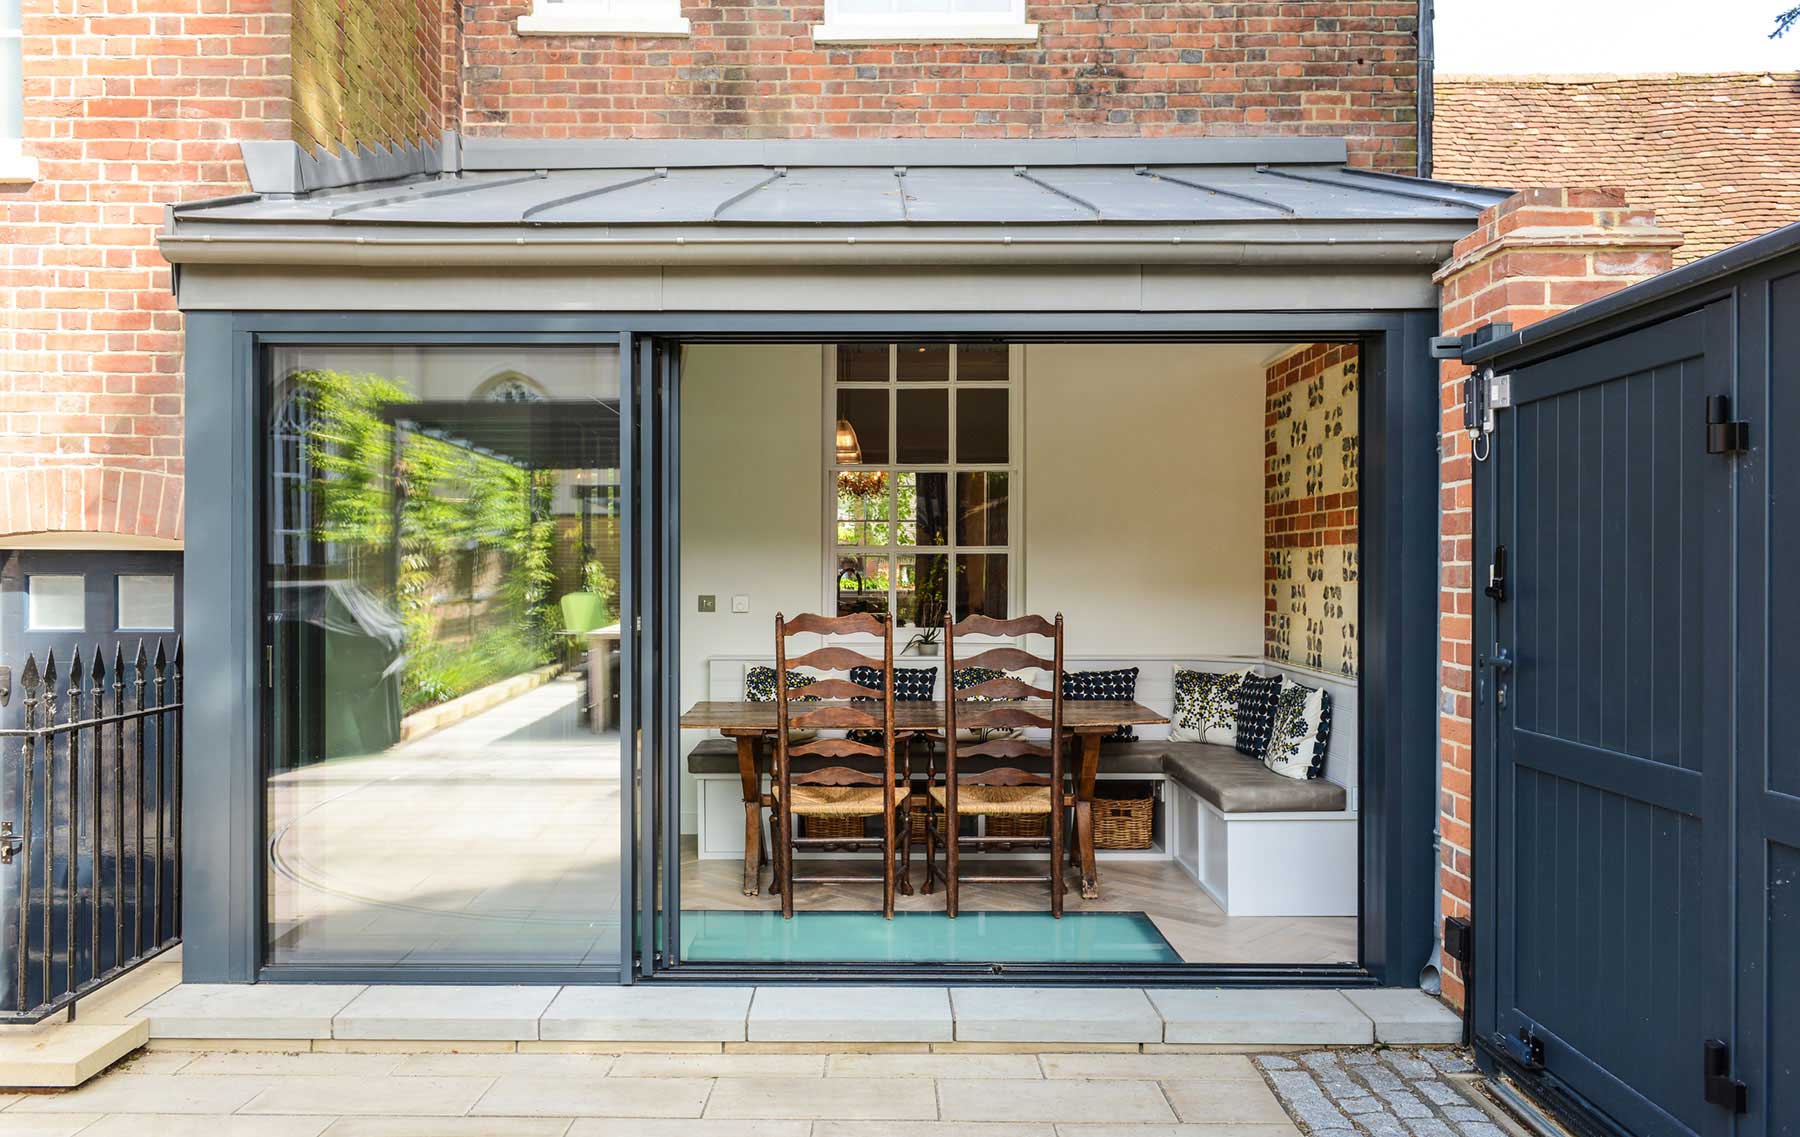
[(1725, 435), (1721, 1087)]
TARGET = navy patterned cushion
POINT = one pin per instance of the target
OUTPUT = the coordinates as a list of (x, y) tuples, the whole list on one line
[(759, 684), (1301, 732), (911, 685), (1090, 686), (1257, 697)]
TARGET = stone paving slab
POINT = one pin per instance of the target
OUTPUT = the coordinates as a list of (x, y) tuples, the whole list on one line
[(403, 1012), (648, 1013), (850, 1014), (248, 1010), (1054, 1014), (1407, 1018), (1378, 1093), (1261, 1016)]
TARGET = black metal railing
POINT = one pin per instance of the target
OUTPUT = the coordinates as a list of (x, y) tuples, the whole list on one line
[(90, 825)]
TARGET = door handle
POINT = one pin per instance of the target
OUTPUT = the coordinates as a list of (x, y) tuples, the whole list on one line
[(1502, 661)]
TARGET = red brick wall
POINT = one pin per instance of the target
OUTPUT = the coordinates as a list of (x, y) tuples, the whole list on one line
[(367, 71), (1533, 255), (1334, 69)]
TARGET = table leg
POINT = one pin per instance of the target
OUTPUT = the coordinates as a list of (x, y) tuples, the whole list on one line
[(750, 783), (1084, 814)]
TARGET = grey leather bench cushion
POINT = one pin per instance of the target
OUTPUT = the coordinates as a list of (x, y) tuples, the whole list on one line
[(1236, 784)]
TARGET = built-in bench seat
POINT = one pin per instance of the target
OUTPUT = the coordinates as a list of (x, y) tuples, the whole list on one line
[(1236, 784)]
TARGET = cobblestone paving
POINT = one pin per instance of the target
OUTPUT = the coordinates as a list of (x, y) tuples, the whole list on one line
[(1382, 1093)]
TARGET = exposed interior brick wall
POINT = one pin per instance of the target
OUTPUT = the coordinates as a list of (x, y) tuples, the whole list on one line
[(1327, 68), (1311, 465), (128, 107), (367, 71), (1531, 256)]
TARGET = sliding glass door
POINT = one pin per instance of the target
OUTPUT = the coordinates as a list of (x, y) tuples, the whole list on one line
[(443, 543)]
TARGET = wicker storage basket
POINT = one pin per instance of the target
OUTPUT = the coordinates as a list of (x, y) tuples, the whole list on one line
[(849, 828), (1124, 822), (916, 813), (1016, 824)]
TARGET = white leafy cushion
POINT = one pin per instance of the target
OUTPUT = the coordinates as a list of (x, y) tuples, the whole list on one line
[(1206, 706), (1302, 728)]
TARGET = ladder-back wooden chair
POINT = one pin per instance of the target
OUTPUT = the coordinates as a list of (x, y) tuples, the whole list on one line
[(999, 788), (835, 791)]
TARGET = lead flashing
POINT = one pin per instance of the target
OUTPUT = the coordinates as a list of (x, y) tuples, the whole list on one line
[(280, 167)]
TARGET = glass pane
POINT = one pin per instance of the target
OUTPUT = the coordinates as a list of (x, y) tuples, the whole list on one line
[(981, 363), (12, 15), (981, 585), (862, 507), (922, 363), (981, 509), (862, 363), (924, 503), (56, 602), (922, 426), (921, 589), (146, 602), (448, 533), (12, 87), (862, 427), (983, 426), (862, 584)]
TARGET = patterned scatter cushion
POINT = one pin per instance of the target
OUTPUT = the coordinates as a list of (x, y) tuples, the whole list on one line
[(911, 685), (1206, 706), (1301, 731), (1257, 696), (1089, 686), (759, 684), (965, 677)]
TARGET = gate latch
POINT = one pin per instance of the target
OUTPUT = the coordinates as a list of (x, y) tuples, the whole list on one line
[(1525, 1048), (9, 843), (1724, 435), (1721, 1087)]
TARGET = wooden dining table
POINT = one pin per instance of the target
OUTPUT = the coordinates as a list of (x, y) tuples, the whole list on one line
[(749, 723)]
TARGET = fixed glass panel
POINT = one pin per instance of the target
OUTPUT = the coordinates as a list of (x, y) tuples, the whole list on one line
[(862, 363), (921, 589), (922, 425), (146, 602), (982, 362), (56, 602), (983, 426), (922, 362), (981, 509), (861, 438), (442, 559), (862, 583), (924, 509), (863, 507), (981, 585)]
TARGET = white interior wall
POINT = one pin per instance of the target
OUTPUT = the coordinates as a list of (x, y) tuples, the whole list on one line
[(1143, 511)]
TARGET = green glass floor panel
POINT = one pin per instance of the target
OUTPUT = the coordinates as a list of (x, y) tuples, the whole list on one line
[(922, 937)]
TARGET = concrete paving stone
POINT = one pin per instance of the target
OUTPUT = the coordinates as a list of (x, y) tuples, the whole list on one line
[(1405, 1103), (929, 1129), (248, 1010), (1148, 1066), (186, 1125), (1319, 1114), (448, 1013), (1362, 1058), (1383, 1125), (353, 1096), (593, 1097), (1381, 1079), (503, 1065), (1206, 1102), (1295, 1083), (1054, 1014), (1276, 1062), (648, 1014), (1438, 1093), (153, 1062), (281, 1065), (16, 1124), (1317, 1017), (1406, 1017), (1428, 1127), (1367, 1103), (719, 1066), (686, 1127), (1408, 1064), (1480, 1129), (1177, 1130), (1448, 1061), (1063, 1100), (1464, 1113), (448, 1127), (833, 1099), (149, 1093), (933, 1066), (8, 1099), (63, 1054), (850, 1014)]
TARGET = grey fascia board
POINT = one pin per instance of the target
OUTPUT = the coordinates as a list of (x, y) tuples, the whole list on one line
[(282, 167), (602, 154)]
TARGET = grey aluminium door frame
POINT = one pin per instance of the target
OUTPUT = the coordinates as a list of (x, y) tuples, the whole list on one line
[(1398, 510)]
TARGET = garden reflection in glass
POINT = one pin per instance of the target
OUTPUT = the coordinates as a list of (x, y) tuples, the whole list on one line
[(442, 563)]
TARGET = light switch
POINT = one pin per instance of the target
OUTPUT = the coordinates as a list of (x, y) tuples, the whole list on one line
[(740, 603), (709, 603)]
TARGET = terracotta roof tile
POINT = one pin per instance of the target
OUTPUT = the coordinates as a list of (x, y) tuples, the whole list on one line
[(1716, 156)]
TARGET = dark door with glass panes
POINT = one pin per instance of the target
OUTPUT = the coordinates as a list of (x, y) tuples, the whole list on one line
[(921, 459), (102, 601)]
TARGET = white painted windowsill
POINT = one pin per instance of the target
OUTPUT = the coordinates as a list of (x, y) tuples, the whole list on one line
[(919, 31), (16, 168), (556, 24)]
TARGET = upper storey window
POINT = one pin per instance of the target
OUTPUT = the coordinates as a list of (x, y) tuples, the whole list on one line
[(925, 21), (602, 18), (14, 166)]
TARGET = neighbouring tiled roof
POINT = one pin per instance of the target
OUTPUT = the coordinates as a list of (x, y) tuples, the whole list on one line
[(1716, 156)]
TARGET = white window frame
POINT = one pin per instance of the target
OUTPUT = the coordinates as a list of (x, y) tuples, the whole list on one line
[(1013, 468), (15, 167), (605, 18), (925, 27)]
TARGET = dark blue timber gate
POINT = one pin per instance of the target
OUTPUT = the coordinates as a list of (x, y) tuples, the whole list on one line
[(1636, 955)]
